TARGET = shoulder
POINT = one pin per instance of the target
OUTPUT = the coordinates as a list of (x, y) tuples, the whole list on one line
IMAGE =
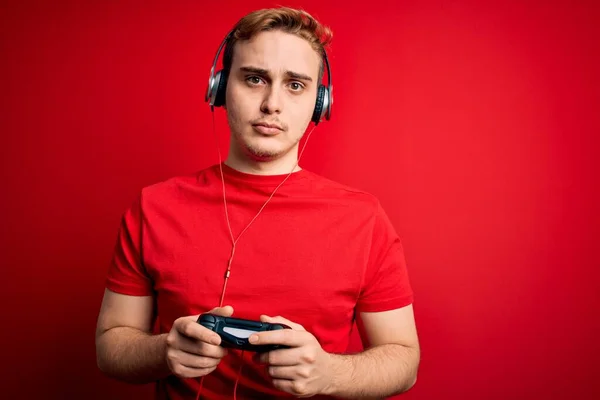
[(175, 190), (347, 195)]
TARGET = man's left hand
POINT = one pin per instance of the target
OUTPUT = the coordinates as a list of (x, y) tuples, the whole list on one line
[(304, 369)]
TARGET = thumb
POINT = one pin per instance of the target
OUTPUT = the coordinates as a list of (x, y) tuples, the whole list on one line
[(226, 311), (280, 320)]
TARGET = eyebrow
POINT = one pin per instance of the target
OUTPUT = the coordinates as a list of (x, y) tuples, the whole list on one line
[(262, 71)]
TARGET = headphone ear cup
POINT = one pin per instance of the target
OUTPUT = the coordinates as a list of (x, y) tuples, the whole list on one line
[(318, 112), (221, 88)]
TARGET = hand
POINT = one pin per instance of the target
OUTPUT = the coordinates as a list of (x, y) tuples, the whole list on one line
[(193, 350), (303, 369)]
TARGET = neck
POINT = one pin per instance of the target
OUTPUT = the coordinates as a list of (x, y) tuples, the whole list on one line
[(279, 166)]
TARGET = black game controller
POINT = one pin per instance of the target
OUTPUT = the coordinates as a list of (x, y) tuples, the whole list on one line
[(234, 332)]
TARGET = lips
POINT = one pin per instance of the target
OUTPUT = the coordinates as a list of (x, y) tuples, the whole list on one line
[(266, 128)]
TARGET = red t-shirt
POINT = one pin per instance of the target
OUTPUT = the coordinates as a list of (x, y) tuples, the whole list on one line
[(317, 254)]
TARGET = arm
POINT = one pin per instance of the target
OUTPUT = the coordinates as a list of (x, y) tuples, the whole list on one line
[(125, 348), (387, 367), (389, 364)]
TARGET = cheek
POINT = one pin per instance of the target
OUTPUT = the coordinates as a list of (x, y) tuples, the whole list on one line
[(235, 112), (235, 102), (302, 119)]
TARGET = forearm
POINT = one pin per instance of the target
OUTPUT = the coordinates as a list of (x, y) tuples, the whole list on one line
[(131, 355), (378, 372)]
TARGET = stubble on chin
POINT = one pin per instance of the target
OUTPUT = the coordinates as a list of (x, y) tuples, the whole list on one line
[(260, 153), (248, 146)]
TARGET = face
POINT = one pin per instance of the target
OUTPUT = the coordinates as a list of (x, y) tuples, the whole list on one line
[(271, 92)]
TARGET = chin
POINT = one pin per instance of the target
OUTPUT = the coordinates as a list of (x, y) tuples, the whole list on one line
[(263, 150), (263, 154)]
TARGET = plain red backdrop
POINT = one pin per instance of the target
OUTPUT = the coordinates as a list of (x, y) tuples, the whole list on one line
[(475, 123)]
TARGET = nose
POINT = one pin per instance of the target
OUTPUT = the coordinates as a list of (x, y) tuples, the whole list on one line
[(272, 103)]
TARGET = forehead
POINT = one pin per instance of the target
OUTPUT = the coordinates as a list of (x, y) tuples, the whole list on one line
[(277, 52)]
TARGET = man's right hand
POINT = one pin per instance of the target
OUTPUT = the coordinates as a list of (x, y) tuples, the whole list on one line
[(193, 350)]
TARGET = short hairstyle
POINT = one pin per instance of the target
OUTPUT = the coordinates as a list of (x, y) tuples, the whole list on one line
[(295, 21)]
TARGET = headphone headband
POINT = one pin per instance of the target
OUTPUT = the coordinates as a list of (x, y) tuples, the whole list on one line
[(215, 92)]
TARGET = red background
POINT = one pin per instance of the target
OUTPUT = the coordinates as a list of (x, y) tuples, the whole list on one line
[(475, 123)]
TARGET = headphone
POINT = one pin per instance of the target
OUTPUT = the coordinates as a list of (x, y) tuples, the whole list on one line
[(217, 84)]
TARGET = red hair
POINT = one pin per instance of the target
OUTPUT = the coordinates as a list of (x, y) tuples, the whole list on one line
[(295, 21)]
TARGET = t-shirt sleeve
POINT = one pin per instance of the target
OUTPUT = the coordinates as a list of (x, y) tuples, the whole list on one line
[(386, 284), (126, 273)]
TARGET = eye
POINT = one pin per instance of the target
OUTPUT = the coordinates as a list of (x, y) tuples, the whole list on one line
[(254, 80), (296, 86)]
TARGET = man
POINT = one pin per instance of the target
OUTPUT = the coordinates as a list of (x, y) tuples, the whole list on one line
[(298, 249)]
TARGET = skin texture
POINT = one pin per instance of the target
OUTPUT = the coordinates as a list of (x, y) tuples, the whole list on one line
[(387, 367), (273, 79)]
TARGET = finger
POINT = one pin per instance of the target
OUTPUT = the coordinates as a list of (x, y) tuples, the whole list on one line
[(200, 348), (295, 387), (193, 330), (226, 311), (281, 320), (289, 373), (191, 360), (187, 372), (281, 357), (286, 337)]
